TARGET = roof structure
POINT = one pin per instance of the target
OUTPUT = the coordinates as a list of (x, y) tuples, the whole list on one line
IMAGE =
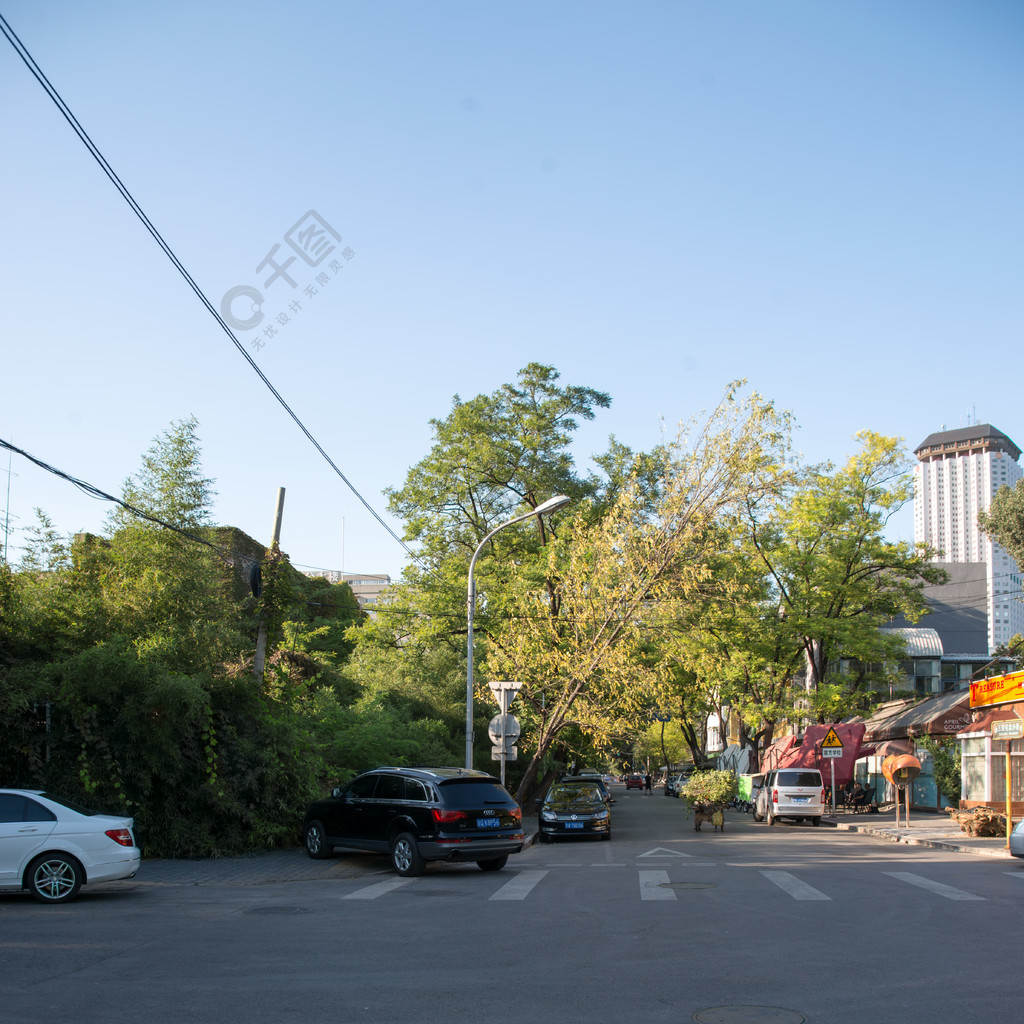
[(943, 715), (919, 642), (982, 435)]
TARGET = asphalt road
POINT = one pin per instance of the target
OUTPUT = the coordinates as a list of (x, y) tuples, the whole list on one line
[(662, 924)]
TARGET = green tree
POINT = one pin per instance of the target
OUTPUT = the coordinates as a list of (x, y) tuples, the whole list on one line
[(591, 664), (494, 457), (835, 579), (1004, 523), (945, 753), (166, 588)]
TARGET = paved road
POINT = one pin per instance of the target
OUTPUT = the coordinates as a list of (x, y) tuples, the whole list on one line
[(662, 924)]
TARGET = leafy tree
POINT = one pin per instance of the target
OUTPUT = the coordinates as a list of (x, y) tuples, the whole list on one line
[(945, 753), (591, 665), (1004, 520), (125, 670), (834, 578), (494, 457), (167, 590)]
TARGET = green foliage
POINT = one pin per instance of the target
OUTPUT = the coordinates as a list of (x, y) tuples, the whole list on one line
[(126, 679), (710, 788), (945, 765), (206, 766), (834, 578), (1004, 520)]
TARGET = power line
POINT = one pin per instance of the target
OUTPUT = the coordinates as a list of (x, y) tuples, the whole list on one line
[(65, 110), (95, 492)]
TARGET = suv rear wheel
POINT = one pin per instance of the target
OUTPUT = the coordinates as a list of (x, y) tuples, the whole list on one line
[(494, 864), (405, 856)]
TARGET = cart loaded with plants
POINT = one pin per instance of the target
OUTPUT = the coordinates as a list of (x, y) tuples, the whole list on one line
[(708, 794)]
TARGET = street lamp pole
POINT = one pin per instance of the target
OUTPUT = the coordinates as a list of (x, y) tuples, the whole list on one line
[(559, 501)]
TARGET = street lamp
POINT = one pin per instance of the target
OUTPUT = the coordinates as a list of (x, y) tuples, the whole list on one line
[(559, 501)]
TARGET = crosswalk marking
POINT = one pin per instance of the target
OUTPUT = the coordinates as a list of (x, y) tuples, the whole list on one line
[(519, 888), (371, 892), (656, 885), (652, 886), (936, 887), (791, 884)]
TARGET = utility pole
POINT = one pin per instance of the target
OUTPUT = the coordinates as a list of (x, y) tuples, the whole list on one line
[(261, 635), (4, 557)]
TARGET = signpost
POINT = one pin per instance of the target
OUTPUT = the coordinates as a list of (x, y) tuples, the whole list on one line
[(504, 728), (832, 747), (1010, 730)]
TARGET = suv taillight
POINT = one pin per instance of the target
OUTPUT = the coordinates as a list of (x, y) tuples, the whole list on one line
[(822, 794), (517, 813), (445, 816), (775, 796)]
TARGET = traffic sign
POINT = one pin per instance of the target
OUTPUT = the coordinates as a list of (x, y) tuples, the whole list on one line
[(831, 751), (831, 741), (504, 693), (506, 754), (503, 730)]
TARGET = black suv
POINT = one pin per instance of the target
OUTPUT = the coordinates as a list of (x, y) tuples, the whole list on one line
[(419, 814)]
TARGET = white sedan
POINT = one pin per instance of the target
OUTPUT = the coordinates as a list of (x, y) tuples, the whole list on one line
[(1017, 840), (52, 846)]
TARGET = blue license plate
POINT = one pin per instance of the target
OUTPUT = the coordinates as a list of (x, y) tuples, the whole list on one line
[(574, 824), (801, 799), (488, 822)]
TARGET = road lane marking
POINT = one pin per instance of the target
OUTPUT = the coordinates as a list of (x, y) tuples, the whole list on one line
[(371, 892), (519, 888), (936, 887), (652, 886), (791, 884), (660, 851)]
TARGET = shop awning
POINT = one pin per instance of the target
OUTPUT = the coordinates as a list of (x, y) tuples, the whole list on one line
[(887, 747), (943, 715)]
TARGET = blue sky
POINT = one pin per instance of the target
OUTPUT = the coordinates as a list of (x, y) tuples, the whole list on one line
[(656, 198)]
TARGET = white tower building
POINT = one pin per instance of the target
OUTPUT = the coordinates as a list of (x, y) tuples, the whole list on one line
[(958, 473)]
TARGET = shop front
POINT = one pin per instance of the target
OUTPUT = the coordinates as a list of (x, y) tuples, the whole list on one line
[(897, 728)]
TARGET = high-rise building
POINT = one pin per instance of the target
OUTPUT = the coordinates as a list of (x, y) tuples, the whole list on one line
[(957, 475)]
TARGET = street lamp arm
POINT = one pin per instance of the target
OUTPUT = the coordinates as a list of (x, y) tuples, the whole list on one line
[(558, 501)]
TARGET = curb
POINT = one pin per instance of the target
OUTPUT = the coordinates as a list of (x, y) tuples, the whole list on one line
[(935, 844)]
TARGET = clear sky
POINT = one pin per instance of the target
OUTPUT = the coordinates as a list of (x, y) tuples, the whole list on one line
[(823, 198)]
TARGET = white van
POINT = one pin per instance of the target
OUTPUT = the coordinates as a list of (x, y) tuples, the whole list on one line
[(796, 793)]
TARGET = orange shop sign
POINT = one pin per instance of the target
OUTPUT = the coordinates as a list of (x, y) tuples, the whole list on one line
[(1006, 689)]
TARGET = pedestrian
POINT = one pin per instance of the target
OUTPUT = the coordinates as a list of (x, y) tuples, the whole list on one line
[(647, 784)]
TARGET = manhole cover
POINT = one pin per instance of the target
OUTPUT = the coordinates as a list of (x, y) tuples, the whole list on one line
[(686, 885), (277, 910), (749, 1015)]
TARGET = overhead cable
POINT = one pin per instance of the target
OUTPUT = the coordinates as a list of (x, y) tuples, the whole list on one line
[(65, 110), (95, 492)]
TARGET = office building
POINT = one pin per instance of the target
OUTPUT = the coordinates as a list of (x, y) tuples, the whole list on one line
[(957, 475)]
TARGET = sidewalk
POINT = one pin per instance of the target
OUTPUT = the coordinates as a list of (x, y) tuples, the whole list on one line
[(938, 831)]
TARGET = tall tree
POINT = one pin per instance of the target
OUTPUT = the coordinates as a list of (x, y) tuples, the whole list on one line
[(1004, 520), (591, 665), (834, 577), (166, 589), (494, 457)]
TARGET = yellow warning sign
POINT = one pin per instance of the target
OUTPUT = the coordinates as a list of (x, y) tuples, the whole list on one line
[(832, 741)]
